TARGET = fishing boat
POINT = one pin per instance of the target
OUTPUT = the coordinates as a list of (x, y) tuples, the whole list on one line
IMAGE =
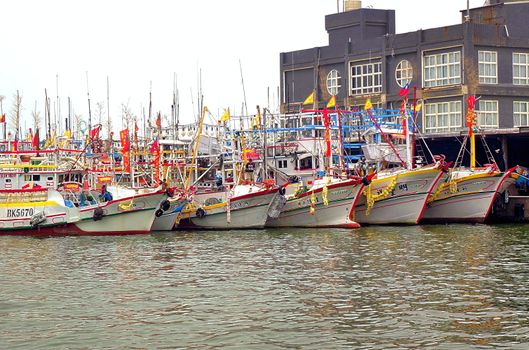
[(397, 196), (246, 206), (38, 212), (129, 211), (467, 194), (329, 202)]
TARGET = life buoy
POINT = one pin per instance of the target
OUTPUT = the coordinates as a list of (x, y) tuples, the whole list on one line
[(200, 213), (158, 213), (165, 205), (98, 214)]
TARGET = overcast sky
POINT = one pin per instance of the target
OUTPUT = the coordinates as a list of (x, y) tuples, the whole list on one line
[(135, 43)]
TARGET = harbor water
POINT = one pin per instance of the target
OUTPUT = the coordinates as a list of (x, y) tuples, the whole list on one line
[(420, 287)]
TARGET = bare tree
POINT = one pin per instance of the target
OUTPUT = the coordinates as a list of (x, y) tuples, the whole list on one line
[(127, 116), (1, 105), (36, 118), (100, 110), (78, 124), (16, 111)]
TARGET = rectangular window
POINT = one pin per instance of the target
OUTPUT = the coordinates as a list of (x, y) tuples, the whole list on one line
[(282, 164), (487, 116), (520, 68), (488, 67), (366, 78), (521, 113), (442, 69), (442, 117)]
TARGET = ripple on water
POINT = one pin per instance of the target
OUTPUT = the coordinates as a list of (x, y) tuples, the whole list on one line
[(427, 287)]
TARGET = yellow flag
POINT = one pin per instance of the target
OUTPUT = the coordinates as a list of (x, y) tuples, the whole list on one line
[(68, 134), (226, 116), (418, 107), (309, 100), (332, 102), (368, 105)]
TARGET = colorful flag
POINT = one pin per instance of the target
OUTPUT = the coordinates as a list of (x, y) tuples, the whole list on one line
[(332, 102), (404, 91), (124, 138), (94, 133), (159, 121), (368, 105), (309, 100), (35, 142), (226, 116), (418, 107), (2, 118)]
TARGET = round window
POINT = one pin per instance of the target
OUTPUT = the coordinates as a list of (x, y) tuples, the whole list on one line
[(403, 73), (333, 82)]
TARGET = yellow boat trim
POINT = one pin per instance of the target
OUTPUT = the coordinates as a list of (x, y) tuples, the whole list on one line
[(215, 206), (28, 204)]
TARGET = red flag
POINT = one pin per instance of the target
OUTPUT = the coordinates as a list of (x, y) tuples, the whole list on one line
[(94, 133), (124, 138), (326, 123), (159, 121), (35, 142), (404, 91), (126, 162), (15, 143), (471, 101), (2, 118)]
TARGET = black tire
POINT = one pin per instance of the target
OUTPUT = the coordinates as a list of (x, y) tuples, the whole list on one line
[(282, 191), (165, 205), (200, 213), (98, 214), (158, 213)]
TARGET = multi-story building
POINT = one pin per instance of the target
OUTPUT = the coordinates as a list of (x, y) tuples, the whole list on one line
[(487, 55)]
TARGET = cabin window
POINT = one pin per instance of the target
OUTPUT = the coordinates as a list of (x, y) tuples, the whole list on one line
[(520, 68), (282, 164), (488, 67), (442, 69), (27, 177), (50, 178), (36, 177)]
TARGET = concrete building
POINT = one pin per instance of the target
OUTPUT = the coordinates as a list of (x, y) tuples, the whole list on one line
[(487, 55)]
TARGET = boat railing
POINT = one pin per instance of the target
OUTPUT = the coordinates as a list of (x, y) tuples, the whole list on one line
[(24, 195)]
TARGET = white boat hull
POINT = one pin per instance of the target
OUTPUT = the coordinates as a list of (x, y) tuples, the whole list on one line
[(130, 215), (167, 221), (246, 212), (337, 213), (470, 201), (406, 202)]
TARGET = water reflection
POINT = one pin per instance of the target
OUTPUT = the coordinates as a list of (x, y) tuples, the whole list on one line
[(427, 287)]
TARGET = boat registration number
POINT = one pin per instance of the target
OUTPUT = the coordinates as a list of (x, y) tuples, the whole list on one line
[(20, 212)]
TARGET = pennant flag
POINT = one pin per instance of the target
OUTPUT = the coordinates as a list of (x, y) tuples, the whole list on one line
[(154, 147), (332, 102), (418, 107), (226, 116), (30, 135), (309, 100), (2, 118), (159, 121), (368, 105), (404, 91)]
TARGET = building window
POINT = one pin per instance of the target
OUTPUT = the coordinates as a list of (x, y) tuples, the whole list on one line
[(442, 117), (333, 82), (442, 69), (488, 114), (521, 113), (282, 164), (366, 78), (488, 67), (403, 73), (520, 68)]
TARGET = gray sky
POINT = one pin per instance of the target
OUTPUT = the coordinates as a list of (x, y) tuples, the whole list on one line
[(137, 42)]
